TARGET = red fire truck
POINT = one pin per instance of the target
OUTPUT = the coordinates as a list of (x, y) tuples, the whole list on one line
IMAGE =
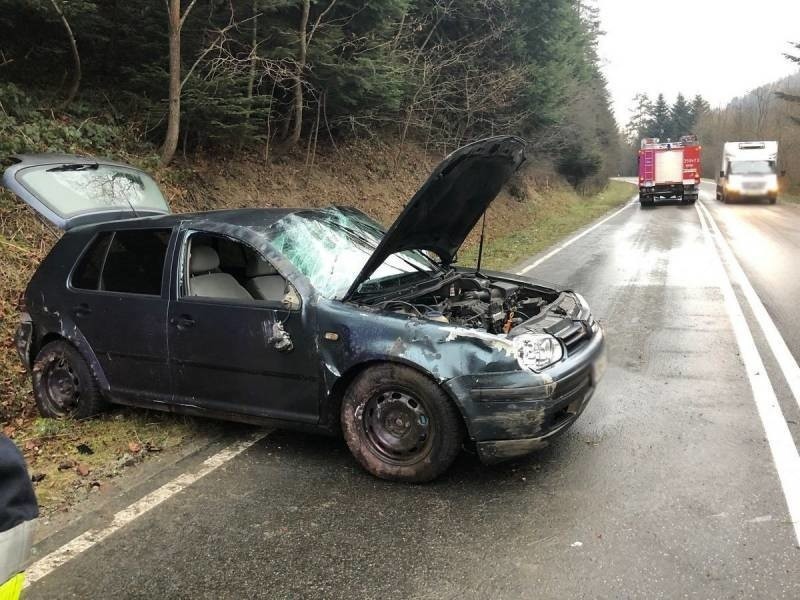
[(669, 169)]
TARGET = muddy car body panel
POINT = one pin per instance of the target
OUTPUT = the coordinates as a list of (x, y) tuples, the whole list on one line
[(300, 306)]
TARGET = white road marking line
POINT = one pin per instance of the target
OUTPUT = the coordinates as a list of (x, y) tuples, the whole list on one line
[(572, 240), (787, 362), (779, 438), (86, 540)]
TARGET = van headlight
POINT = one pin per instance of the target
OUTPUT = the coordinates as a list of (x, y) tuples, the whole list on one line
[(773, 185), (537, 351)]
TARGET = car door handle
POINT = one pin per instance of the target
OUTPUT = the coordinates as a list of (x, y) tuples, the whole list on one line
[(81, 310), (182, 322)]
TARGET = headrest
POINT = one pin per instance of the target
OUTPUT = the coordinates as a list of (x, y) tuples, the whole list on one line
[(203, 259), (258, 268)]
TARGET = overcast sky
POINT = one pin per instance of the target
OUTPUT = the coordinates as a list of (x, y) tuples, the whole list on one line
[(717, 48)]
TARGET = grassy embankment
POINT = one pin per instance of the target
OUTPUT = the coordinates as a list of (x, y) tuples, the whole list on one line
[(542, 210)]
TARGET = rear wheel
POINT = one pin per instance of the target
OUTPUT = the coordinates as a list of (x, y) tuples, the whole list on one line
[(63, 384), (400, 425)]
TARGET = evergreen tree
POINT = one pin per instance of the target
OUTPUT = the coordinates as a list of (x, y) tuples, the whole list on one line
[(792, 98), (641, 119), (661, 125), (681, 121), (698, 108)]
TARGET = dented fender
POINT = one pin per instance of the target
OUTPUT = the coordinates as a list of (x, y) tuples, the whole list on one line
[(363, 334)]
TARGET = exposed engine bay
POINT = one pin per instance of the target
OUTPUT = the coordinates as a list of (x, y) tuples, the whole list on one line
[(494, 306)]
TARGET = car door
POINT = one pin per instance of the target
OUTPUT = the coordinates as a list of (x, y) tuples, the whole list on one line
[(235, 354), (117, 297)]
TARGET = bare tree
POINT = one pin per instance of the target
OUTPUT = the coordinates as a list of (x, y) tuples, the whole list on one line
[(304, 38), (176, 21), (76, 57)]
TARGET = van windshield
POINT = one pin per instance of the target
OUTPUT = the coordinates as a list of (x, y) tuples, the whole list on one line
[(753, 167)]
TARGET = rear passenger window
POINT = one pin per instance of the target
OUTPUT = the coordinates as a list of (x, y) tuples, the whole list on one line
[(135, 261), (87, 273)]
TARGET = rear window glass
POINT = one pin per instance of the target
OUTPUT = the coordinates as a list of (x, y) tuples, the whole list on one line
[(130, 261), (87, 273), (72, 189)]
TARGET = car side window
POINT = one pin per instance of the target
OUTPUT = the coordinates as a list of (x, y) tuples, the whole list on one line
[(87, 273), (134, 263), (220, 267)]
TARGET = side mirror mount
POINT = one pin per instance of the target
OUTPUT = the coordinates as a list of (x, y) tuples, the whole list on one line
[(291, 299), (722, 174)]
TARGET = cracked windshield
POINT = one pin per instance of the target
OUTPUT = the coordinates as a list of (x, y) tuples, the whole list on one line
[(331, 247)]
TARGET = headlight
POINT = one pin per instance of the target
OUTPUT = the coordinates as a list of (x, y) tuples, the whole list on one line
[(773, 185), (733, 185), (537, 351)]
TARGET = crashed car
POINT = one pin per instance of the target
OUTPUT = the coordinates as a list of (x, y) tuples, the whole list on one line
[(313, 318)]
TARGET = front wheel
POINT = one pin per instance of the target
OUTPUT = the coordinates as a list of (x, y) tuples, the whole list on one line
[(400, 425), (63, 384)]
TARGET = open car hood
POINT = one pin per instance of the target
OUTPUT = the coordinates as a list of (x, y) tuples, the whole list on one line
[(449, 204)]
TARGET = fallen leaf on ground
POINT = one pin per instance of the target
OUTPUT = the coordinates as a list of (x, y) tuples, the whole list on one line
[(67, 464), (37, 477), (82, 469), (134, 447)]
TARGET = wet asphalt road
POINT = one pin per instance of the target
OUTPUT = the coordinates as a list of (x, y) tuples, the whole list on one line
[(664, 488)]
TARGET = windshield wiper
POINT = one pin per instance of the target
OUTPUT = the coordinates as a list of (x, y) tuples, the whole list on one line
[(74, 167)]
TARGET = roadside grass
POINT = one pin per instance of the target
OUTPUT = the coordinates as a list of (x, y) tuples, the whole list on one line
[(792, 197), (565, 213), (68, 460)]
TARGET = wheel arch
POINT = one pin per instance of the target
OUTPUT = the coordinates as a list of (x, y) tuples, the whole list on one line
[(330, 415), (80, 344)]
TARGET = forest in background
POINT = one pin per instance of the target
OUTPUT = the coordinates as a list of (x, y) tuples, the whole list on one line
[(153, 79)]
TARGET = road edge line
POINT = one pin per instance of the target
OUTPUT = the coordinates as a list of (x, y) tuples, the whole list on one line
[(575, 238), (780, 350), (48, 563), (781, 444)]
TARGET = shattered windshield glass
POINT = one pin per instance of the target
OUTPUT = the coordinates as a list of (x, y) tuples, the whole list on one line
[(331, 246)]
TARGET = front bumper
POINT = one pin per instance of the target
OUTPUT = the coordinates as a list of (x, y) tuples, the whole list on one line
[(514, 413), (758, 194)]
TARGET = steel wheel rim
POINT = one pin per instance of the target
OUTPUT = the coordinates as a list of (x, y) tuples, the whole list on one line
[(61, 386), (398, 426)]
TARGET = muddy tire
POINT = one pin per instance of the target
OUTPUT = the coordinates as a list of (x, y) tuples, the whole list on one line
[(400, 425), (63, 384)]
